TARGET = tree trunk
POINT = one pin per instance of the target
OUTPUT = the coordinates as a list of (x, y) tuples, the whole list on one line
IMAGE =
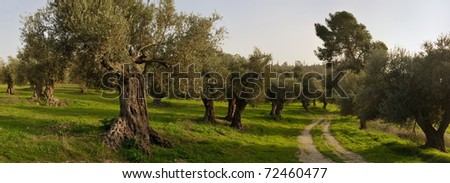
[(274, 107), (37, 92), (362, 124), (132, 125), (157, 101), (48, 94), (10, 89), (83, 90), (231, 109), (325, 103), (210, 112), (305, 104), (434, 138), (314, 102), (240, 107), (279, 109)]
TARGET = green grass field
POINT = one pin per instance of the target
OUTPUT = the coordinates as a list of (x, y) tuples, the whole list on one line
[(33, 133)]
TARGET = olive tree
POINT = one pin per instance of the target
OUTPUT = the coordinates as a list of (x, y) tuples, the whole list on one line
[(372, 86), (10, 72), (248, 86), (115, 43), (44, 55), (402, 88), (419, 89)]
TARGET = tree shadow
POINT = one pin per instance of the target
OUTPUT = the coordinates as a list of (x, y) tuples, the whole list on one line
[(260, 129), (34, 126), (69, 111), (211, 151)]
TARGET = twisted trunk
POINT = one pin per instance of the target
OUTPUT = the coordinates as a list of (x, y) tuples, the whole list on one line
[(48, 94), (210, 112), (132, 125), (10, 89), (435, 138), (237, 118), (37, 92), (362, 124), (279, 108), (305, 104), (231, 109), (274, 107)]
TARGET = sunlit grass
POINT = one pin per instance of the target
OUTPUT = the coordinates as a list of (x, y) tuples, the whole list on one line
[(376, 146), (321, 143)]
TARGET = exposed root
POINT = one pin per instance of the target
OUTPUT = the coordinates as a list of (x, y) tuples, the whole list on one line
[(120, 133)]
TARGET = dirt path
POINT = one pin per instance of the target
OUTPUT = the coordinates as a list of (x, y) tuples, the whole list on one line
[(308, 151), (338, 150)]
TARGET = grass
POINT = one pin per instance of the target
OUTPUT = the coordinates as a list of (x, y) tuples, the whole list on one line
[(321, 144), (378, 146), (33, 133)]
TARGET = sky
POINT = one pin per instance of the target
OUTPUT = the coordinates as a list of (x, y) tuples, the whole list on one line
[(284, 28)]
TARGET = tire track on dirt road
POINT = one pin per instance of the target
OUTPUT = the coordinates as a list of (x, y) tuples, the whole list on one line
[(338, 150), (308, 151)]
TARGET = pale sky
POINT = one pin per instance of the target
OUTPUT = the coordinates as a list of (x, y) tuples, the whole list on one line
[(284, 28)]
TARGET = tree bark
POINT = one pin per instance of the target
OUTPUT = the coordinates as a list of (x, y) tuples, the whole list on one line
[(37, 92), (83, 90), (157, 101), (435, 138), (231, 109), (237, 118), (279, 109), (210, 112), (274, 107), (132, 125), (10, 89), (305, 104), (362, 124), (48, 94)]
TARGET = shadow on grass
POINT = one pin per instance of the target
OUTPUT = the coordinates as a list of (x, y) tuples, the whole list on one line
[(69, 111), (215, 152), (47, 127), (264, 130), (399, 153)]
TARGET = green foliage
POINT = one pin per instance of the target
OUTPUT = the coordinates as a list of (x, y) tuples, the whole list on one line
[(250, 86), (351, 83), (10, 71), (402, 88), (346, 42), (373, 85), (90, 38)]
